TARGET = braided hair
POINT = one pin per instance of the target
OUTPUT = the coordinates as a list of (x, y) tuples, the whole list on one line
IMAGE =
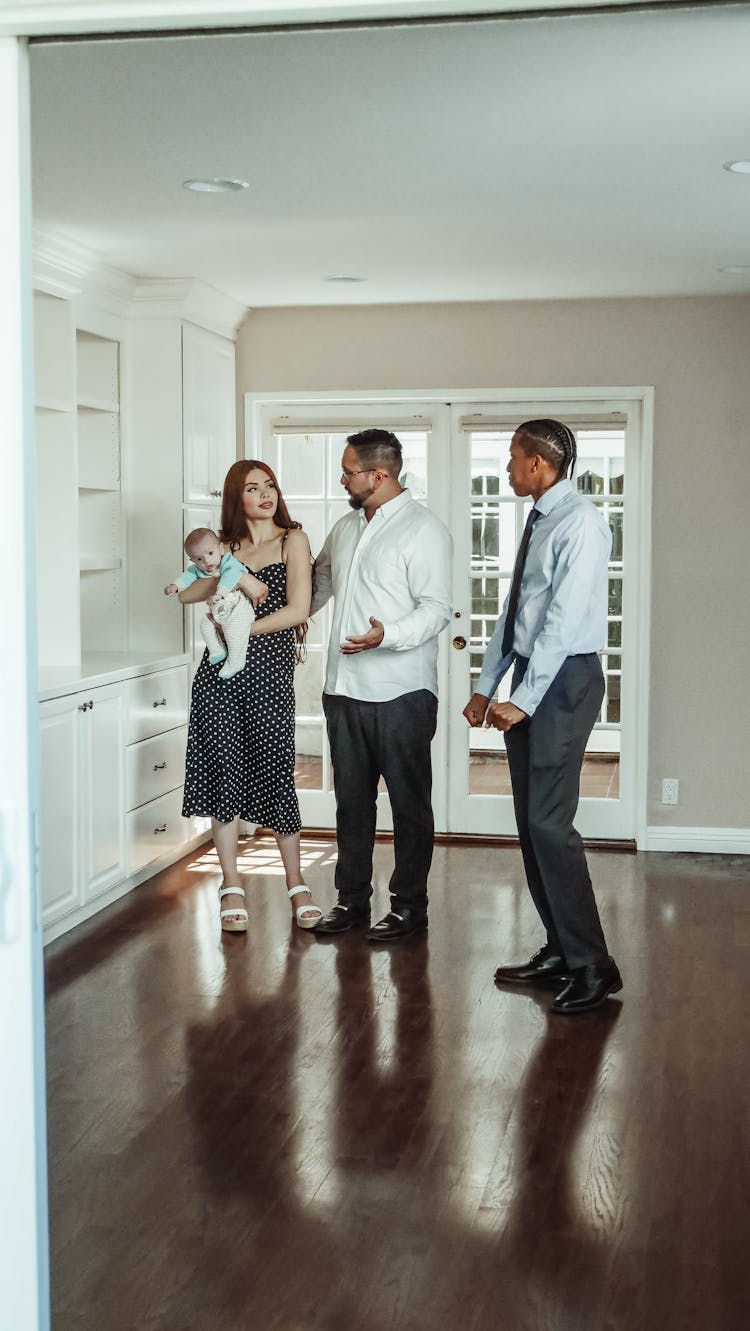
[(553, 441)]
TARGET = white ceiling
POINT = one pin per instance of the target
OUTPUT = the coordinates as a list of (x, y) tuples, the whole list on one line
[(526, 159)]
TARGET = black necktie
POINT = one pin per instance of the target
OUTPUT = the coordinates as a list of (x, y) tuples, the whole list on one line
[(515, 586)]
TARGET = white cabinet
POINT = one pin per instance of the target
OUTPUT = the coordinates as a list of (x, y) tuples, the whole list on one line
[(60, 808), (155, 768), (208, 413), (156, 703), (82, 805), (135, 431)]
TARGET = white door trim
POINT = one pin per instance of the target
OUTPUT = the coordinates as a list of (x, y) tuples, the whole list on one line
[(24, 1255)]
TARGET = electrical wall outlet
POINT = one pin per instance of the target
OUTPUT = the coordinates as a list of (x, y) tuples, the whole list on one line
[(670, 790)]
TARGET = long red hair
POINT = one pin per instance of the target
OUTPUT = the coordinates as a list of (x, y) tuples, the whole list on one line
[(234, 523)]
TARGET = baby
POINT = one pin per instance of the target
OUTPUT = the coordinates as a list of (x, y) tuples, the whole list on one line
[(229, 607)]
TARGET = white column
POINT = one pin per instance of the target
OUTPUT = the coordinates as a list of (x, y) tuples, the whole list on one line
[(23, 1214)]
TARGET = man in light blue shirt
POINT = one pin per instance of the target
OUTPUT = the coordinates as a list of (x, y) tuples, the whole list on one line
[(552, 627)]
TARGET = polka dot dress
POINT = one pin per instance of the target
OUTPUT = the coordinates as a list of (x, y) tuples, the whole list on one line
[(240, 749)]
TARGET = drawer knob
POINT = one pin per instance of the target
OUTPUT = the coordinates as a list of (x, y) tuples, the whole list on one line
[(163, 703), (83, 707), (159, 767), (157, 830)]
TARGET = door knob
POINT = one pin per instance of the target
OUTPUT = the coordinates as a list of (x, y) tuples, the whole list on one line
[(459, 643)]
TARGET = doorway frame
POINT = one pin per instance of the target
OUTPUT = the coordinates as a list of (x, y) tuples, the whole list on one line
[(641, 398)]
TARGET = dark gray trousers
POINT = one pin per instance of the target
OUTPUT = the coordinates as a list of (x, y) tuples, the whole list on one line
[(545, 754), (389, 739)]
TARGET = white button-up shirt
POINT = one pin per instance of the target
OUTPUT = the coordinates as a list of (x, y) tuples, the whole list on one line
[(397, 568), (562, 609)]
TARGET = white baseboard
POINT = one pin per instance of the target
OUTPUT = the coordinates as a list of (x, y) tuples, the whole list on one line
[(705, 840)]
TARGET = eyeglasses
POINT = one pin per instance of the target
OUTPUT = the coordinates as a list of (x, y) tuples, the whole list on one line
[(363, 471)]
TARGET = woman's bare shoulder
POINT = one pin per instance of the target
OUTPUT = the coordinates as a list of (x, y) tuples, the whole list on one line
[(297, 539)]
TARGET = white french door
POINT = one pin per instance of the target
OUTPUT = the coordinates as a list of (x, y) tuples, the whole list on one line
[(303, 443), (487, 521), (455, 458)]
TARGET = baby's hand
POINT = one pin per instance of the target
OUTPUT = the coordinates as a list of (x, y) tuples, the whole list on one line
[(171, 589)]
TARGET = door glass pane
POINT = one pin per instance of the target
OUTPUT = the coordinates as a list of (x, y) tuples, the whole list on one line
[(301, 464)]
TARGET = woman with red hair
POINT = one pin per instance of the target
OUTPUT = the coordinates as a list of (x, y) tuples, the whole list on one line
[(240, 751)]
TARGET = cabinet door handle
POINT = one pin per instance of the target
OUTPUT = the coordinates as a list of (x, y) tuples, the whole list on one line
[(163, 703), (215, 493), (83, 707), (91, 705), (159, 767), (157, 830)]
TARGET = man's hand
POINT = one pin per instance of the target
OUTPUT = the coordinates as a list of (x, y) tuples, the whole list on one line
[(475, 709), (504, 715), (373, 638)]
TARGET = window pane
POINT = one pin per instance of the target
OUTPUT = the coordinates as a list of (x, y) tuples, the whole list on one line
[(485, 535), (614, 633), (302, 464), (489, 460), (613, 698), (308, 766), (414, 474), (615, 524), (308, 684), (312, 516), (615, 597), (336, 446), (591, 480)]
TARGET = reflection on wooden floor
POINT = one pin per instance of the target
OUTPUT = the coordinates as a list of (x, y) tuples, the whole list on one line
[(276, 1132)]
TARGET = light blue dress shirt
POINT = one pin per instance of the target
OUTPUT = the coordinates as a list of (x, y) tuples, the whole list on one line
[(562, 610)]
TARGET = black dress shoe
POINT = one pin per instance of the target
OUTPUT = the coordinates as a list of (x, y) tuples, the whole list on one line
[(397, 924), (587, 987), (545, 967), (340, 918)]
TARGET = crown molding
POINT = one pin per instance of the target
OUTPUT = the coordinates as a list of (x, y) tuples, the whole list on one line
[(188, 299), (109, 289), (59, 265), (63, 267)]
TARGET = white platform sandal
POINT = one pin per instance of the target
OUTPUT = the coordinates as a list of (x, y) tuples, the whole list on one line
[(299, 911), (229, 924)]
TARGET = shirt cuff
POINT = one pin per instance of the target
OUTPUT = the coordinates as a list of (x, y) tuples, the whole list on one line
[(523, 697), (391, 635)]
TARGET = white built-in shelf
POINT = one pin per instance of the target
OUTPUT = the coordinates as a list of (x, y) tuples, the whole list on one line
[(98, 564), (54, 352), (97, 370), (54, 404), (97, 404)]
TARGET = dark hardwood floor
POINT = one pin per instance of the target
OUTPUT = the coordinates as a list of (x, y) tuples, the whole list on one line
[(276, 1132)]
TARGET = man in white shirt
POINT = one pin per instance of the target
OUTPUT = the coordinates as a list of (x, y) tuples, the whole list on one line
[(552, 627), (387, 565)]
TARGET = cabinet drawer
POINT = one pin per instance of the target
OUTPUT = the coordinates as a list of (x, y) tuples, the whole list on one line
[(155, 829), (154, 766), (157, 703)]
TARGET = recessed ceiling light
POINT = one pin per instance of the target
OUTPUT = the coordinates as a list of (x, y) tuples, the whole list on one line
[(217, 185), (735, 268), (346, 279), (741, 168)]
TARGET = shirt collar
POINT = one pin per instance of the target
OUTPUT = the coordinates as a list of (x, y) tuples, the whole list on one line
[(554, 496), (389, 509)]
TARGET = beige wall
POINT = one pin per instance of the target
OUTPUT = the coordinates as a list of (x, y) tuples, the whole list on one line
[(696, 354)]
